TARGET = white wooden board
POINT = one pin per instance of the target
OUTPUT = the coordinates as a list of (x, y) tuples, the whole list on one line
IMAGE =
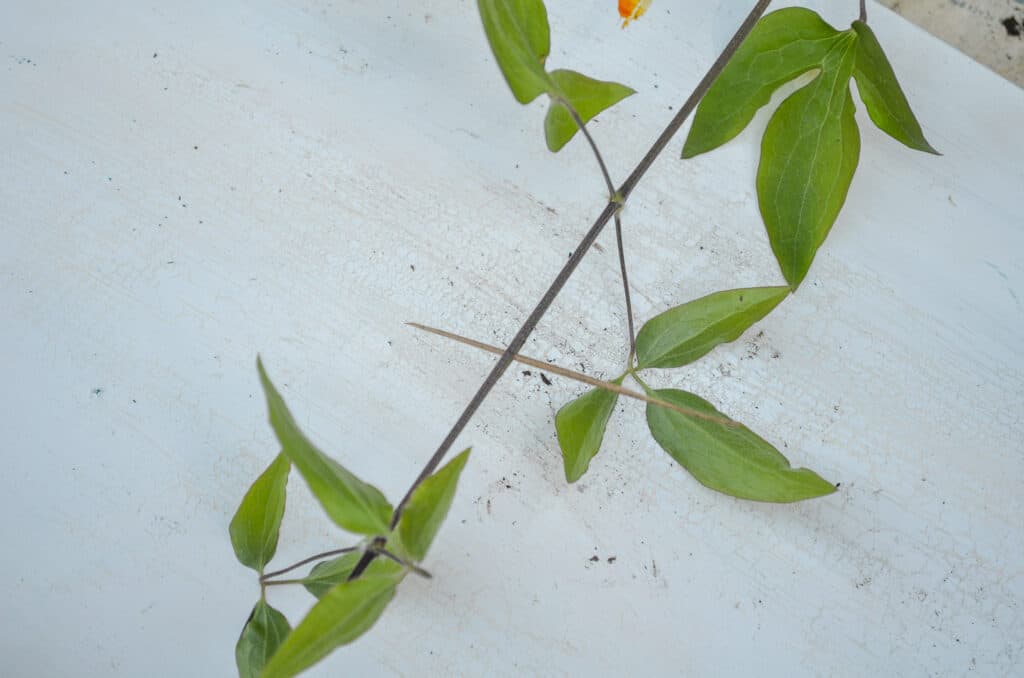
[(186, 185)]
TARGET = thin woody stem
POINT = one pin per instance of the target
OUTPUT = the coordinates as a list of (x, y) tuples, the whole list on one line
[(625, 288), (307, 561), (593, 146), (863, 12), (618, 226), (578, 376), (519, 340)]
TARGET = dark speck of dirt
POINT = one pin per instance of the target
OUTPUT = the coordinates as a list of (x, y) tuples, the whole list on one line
[(544, 378), (594, 559), (154, 55), (837, 485), (1012, 26), (97, 392), (527, 373), (612, 559)]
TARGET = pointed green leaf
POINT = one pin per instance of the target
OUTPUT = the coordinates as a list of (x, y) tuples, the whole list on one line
[(783, 45), (808, 156), (520, 39), (882, 95), (685, 333), (352, 504), (428, 506), (588, 96), (580, 425), (257, 522), (732, 460), (345, 612), (263, 633), (326, 575)]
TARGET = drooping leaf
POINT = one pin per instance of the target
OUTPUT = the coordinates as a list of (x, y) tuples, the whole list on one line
[(428, 506), (352, 504), (586, 95), (518, 33), (580, 425), (343, 614), (327, 574), (262, 634), (784, 44), (730, 459), (882, 95), (683, 334), (808, 156), (257, 522)]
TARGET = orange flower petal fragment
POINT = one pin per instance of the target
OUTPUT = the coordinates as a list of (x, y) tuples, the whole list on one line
[(632, 9)]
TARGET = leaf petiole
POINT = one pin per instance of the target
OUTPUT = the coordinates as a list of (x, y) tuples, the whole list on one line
[(320, 556), (577, 376)]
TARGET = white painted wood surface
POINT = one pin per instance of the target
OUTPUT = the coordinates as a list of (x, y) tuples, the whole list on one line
[(187, 184)]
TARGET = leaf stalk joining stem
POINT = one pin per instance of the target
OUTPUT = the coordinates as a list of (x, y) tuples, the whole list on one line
[(606, 215)]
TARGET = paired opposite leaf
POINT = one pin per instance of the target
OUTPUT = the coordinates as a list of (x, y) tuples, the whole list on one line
[(257, 522), (428, 506), (882, 94), (808, 156), (263, 633), (811, 146), (731, 460), (520, 39), (343, 614), (783, 45), (587, 96), (352, 504), (580, 425), (518, 33), (326, 575), (685, 333)]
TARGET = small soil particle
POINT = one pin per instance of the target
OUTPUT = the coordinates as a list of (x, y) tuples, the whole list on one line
[(1012, 26)]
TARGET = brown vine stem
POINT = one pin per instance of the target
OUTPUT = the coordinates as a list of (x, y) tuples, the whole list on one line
[(863, 12), (320, 556), (581, 250), (618, 227), (578, 376)]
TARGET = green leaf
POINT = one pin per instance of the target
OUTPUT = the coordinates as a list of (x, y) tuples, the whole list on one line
[(580, 425), (683, 334), (326, 575), (783, 45), (588, 96), (520, 39), (428, 506), (731, 460), (352, 504), (808, 156), (256, 524), (882, 95), (345, 612), (263, 633)]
